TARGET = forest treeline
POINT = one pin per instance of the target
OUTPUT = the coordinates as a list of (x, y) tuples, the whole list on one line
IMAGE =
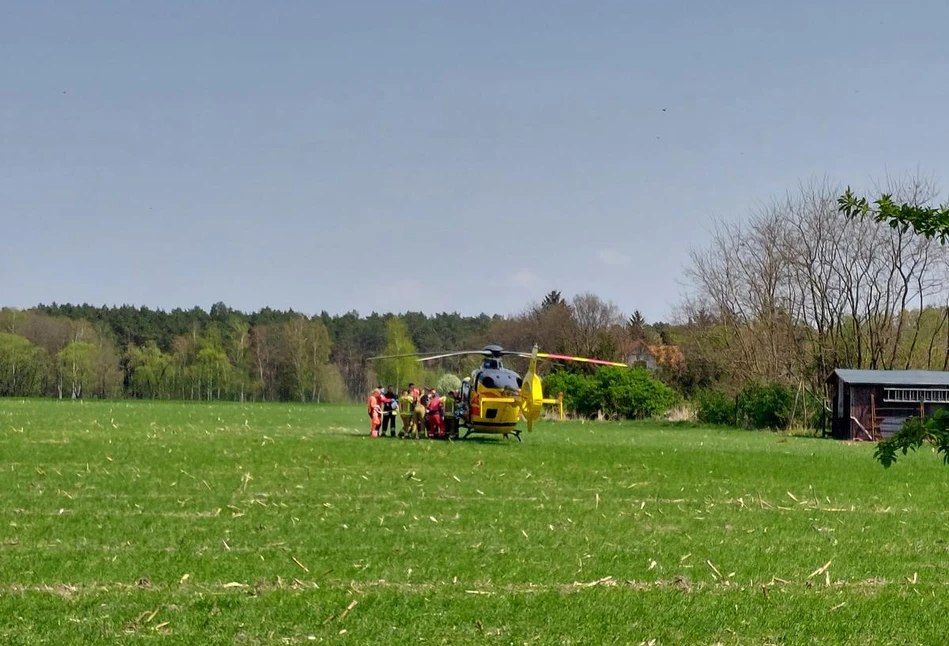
[(74, 351), (776, 299), (68, 350)]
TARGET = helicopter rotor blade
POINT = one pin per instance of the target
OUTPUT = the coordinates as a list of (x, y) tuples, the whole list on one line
[(562, 357), (393, 356), (407, 354), (453, 354)]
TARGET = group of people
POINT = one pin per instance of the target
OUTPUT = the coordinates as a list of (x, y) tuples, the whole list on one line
[(423, 413)]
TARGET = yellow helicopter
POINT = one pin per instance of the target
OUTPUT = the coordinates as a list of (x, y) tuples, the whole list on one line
[(495, 398)]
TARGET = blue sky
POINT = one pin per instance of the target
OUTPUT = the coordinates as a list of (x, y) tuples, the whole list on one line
[(435, 156)]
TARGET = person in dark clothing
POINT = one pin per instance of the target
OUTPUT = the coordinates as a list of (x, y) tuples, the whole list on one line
[(424, 401), (449, 407), (390, 411)]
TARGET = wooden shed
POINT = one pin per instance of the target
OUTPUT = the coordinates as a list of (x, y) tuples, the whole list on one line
[(874, 404)]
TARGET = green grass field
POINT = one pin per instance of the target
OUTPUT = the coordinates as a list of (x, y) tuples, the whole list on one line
[(272, 524)]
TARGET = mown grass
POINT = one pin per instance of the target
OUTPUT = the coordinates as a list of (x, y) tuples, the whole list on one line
[(261, 524)]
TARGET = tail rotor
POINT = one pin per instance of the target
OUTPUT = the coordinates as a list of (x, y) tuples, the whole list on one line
[(532, 393)]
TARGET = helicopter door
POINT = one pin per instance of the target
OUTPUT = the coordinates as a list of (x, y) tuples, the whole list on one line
[(465, 397)]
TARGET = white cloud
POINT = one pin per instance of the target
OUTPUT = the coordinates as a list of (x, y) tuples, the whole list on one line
[(526, 278), (613, 257)]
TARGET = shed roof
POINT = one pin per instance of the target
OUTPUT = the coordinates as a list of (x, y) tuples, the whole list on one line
[(893, 377)]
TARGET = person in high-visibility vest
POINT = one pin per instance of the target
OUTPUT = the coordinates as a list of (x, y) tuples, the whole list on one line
[(406, 406), (418, 415), (451, 422)]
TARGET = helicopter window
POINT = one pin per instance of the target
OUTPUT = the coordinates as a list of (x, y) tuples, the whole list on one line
[(520, 382), (491, 413), (488, 381)]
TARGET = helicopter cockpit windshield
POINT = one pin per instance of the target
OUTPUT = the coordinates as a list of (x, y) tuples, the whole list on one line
[(501, 379)]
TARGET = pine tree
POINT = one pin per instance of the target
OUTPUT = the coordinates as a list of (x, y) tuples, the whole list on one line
[(552, 299)]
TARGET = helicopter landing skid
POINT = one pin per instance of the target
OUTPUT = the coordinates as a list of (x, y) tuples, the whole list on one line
[(515, 433)]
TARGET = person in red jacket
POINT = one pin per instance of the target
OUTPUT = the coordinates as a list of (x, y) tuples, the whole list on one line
[(436, 419), (375, 412)]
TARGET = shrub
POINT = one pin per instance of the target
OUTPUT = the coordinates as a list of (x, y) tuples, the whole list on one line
[(447, 382), (621, 392), (633, 394), (577, 390), (715, 407), (765, 406), (332, 384)]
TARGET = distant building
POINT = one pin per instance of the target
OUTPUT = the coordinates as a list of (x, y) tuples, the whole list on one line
[(641, 355), (874, 404)]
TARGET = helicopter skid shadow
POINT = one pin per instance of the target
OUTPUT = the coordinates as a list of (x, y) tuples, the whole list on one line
[(495, 440)]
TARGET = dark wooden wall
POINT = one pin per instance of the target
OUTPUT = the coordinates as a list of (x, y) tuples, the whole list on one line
[(860, 401)]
